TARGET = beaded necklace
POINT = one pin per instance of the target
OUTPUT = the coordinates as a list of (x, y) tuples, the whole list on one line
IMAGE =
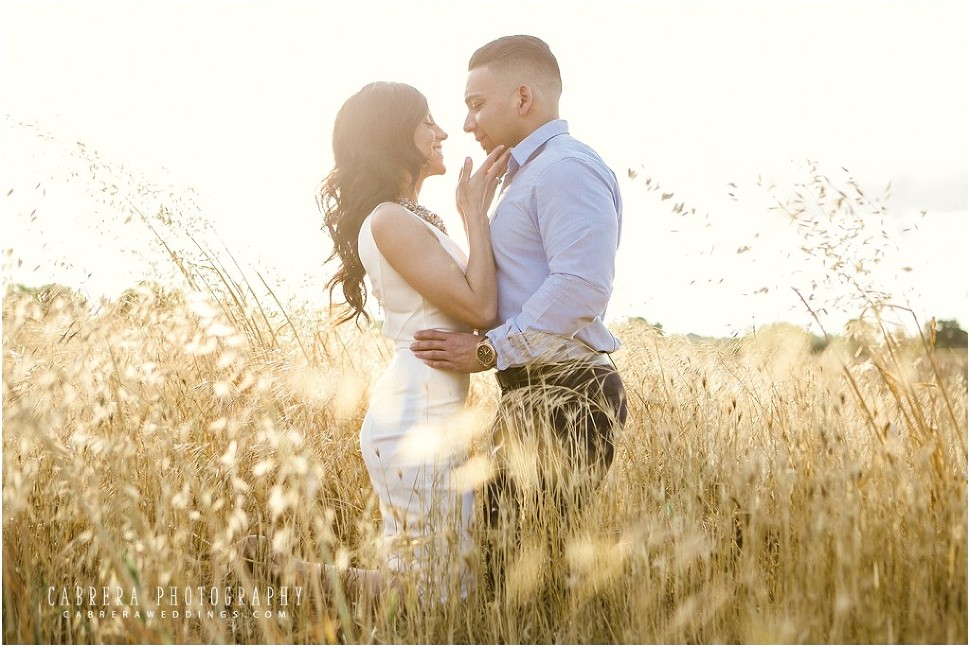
[(424, 213)]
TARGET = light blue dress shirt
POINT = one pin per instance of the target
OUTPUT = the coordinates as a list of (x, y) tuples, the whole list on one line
[(555, 231)]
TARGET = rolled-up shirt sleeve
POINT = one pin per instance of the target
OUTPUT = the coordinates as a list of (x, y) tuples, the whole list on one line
[(577, 213)]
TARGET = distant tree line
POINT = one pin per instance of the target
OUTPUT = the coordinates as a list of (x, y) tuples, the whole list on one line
[(949, 334), (944, 333)]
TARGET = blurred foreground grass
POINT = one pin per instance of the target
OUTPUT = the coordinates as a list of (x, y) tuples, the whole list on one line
[(761, 492)]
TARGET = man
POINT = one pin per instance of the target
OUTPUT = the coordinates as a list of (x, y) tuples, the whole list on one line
[(555, 232)]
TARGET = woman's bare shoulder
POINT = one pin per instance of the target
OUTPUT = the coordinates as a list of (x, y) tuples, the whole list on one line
[(388, 211), (389, 219)]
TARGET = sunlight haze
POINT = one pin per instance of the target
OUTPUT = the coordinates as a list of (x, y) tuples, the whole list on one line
[(233, 105)]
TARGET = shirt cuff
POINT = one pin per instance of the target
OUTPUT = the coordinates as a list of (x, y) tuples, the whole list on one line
[(516, 348)]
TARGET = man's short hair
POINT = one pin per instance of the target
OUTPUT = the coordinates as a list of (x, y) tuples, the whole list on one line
[(526, 53)]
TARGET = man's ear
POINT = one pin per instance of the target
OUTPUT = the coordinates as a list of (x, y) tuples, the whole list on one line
[(524, 98)]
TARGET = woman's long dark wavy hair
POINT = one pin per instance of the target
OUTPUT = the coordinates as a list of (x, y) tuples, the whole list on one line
[(374, 154)]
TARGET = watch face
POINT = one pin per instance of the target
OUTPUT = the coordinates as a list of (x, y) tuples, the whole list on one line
[(486, 355)]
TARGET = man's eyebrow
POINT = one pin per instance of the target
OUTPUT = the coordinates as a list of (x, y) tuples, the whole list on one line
[(471, 97)]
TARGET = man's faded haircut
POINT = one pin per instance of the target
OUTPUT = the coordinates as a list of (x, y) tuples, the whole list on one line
[(526, 53)]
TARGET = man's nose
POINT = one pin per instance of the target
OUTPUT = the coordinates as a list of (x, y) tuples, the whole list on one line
[(469, 125)]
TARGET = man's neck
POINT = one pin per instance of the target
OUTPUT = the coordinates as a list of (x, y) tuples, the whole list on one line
[(536, 125)]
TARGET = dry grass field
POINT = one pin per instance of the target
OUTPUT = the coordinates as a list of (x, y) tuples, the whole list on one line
[(760, 493)]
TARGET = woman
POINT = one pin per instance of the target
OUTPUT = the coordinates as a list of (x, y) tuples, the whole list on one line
[(385, 145)]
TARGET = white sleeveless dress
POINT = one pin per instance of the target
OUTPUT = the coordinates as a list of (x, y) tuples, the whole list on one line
[(410, 440)]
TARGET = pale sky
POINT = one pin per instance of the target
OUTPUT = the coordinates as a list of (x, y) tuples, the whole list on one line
[(232, 105)]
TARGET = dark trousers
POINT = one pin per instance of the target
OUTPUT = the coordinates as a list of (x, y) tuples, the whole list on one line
[(554, 444)]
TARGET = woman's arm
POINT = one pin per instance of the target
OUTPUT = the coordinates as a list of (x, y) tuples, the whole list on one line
[(413, 251)]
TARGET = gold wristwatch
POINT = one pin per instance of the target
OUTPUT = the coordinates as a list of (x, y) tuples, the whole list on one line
[(486, 353)]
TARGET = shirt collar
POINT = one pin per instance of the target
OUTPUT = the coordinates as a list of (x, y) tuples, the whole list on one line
[(526, 148)]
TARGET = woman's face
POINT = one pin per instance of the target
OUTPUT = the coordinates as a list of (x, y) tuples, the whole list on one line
[(428, 137)]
